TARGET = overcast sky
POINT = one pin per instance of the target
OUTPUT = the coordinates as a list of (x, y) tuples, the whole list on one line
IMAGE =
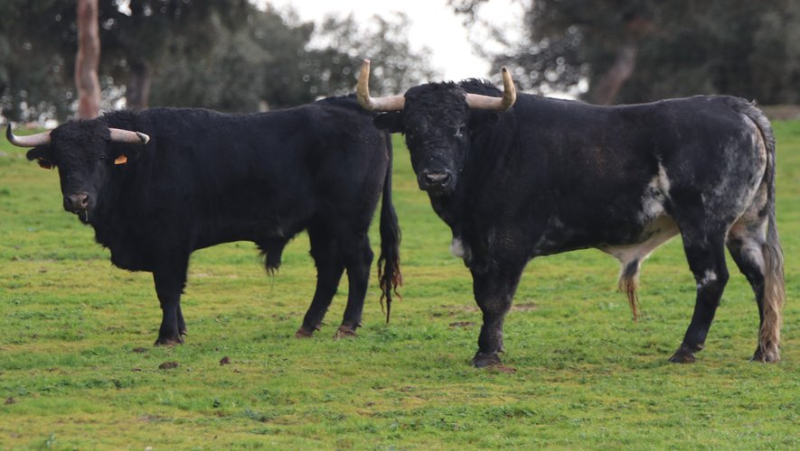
[(433, 24)]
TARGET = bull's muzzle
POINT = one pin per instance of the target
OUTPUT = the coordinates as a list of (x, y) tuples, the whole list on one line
[(76, 203), (435, 182)]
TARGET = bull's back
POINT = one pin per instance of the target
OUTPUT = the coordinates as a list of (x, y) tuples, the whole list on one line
[(238, 177), (587, 175)]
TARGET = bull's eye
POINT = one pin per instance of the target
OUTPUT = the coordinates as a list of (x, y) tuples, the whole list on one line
[(460, 131)]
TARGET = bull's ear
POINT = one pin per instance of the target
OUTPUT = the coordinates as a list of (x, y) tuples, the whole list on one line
[(391, 122), (43, 155), (125, 154)]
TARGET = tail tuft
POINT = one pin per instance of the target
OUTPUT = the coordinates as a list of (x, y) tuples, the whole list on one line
[(774, 295), (389, 275), (628, 283)]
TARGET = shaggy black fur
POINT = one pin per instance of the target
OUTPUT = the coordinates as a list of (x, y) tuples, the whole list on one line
[(207, 178), (550, 176)]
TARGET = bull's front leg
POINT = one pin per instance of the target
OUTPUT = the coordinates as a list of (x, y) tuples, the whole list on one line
[(170, 280), (181, 321), (494, 290)]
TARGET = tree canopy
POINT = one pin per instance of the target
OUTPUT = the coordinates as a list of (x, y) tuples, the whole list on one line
[(643, 50), (226, 55)]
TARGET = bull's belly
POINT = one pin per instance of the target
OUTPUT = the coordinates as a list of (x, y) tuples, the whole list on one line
[(653, 234), (256, 227), (634, 243), (255, 232)]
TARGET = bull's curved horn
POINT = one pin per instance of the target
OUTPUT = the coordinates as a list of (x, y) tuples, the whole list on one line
[(481, 102), (129, 137), (392, 103), (39, 139)]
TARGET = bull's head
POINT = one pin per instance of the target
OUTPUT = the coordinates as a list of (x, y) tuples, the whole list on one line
[(84, 157), (435, 119)]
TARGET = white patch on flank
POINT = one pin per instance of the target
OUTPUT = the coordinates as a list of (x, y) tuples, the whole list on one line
[(652, 207), (654, 196), (457, 248), (663, 180), (657, 226)]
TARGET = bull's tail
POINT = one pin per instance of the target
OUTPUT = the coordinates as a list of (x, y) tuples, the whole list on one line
[(389, 275), (774, 292), (774, 285)]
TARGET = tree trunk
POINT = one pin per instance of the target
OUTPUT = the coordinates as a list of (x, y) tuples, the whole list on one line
[(609, 84), (87, 60), (137, 91)]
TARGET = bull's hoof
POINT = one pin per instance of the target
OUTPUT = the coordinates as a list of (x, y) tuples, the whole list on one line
[(169, 341), (302, 332), (484, 360), (306, 332), (344, 332), (769, 355), (683, 355), (169, 338)]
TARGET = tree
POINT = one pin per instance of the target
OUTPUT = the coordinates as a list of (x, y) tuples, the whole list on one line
[(138, 38), (641, 50), (42, 36), (36, 60), (272, 58), (226, 55), (87, 60), (344, 44)]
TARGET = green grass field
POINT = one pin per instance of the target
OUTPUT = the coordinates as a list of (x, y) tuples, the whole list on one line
[(78, 369)]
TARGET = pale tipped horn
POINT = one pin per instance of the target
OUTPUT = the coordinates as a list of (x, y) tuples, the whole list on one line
[(392, 103), (129, 137), (481, 102), (39, 139)]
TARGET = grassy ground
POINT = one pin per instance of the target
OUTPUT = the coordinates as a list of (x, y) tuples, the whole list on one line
[(77, 369)]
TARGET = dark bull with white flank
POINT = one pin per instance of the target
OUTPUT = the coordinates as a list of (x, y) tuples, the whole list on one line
[(159, 184), (517, 177)]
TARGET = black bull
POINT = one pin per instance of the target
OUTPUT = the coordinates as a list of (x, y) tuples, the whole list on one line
[(206, 178), (549, 176)]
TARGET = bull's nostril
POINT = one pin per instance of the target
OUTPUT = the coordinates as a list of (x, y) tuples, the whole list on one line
[(440, 179), (75, 202)]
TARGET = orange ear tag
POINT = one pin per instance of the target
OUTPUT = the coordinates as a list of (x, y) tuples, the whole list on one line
[(44, 164), (122, 159)]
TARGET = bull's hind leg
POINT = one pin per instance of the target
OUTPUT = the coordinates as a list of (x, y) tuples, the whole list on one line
[(358, 257), (750, 249), (329, 272), (706, 255)]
